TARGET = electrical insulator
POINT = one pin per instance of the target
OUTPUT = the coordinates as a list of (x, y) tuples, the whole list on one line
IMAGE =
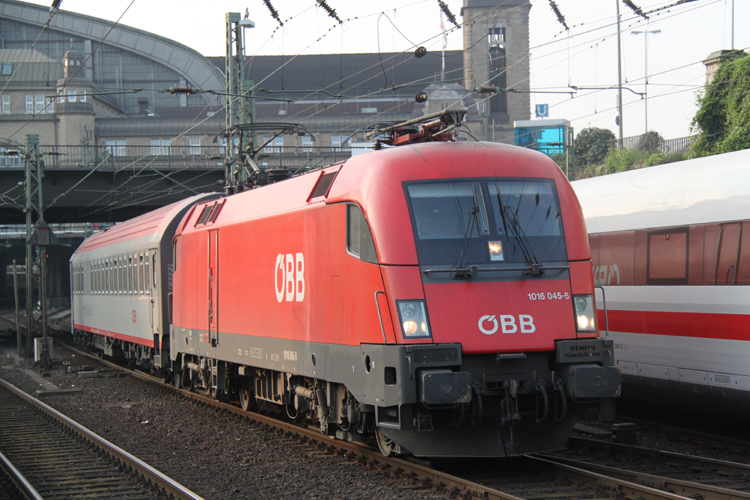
[(331, 12), (447, 11), (634, 8), (420, 52), (556, 10), (421, 97), (273, 11), (487, 90), (177, 90)]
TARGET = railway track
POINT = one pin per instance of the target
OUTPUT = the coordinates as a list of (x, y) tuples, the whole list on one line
[(650, 466), (62, 460), (529, 478)]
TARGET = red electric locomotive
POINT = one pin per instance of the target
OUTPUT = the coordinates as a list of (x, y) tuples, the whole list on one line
[(438, 296)]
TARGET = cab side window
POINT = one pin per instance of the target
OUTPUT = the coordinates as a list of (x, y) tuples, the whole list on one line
[(358, 236)]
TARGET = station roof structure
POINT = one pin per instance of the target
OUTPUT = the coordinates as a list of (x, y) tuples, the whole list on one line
[(128, 57)]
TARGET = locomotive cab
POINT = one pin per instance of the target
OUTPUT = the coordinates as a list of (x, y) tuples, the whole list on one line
[(494, 317)]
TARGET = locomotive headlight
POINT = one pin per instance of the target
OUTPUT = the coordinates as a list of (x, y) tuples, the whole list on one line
[(409, 310), (496, 250), (413, 318), (410, 328), (585, 312)]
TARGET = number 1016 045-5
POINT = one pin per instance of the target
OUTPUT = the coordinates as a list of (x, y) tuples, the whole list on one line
[(549, 296)]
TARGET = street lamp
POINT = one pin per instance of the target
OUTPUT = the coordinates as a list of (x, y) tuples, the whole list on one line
[(645, 33)]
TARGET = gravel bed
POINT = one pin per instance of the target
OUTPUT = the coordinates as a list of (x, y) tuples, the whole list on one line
[(215, 453)]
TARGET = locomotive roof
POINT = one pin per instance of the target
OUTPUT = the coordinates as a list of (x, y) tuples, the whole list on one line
[(703, 190), (152, 224), (374, 181)]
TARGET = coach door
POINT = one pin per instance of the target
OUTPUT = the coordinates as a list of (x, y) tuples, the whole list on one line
[(152, 289), (213, 287)]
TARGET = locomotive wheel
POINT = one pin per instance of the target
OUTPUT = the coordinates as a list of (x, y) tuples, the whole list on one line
[(387, 447), (247, 396)]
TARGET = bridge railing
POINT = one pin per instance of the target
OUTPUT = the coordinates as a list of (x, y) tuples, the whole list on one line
[(176, 157)]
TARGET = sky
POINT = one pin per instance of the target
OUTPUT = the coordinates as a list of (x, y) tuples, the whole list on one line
[(585, 55)]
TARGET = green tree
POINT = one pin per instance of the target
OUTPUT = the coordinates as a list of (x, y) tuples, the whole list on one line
[(591, 146), (650, 142), (723, 118)]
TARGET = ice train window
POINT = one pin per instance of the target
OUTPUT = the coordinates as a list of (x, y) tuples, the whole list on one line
[(725, 272), (667, 257), (743, 264)]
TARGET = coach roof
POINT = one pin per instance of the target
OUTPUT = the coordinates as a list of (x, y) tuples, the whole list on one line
[(703, 190), (151, 225)]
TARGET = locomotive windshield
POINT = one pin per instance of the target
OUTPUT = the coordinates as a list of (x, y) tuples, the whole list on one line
[(486, 221)]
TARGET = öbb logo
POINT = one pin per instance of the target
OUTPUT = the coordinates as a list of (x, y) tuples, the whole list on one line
[(507, 324), (289, 277)]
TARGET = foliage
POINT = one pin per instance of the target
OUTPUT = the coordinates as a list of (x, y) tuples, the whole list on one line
[(723, 117), (661, 159), (620, 160), (591, 146), (650, 142)]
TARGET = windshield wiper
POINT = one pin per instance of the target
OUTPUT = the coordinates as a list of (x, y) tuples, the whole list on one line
[(461, 270), (511, 220)]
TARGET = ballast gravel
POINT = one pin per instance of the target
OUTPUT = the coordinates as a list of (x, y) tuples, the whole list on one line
[(215, 453)]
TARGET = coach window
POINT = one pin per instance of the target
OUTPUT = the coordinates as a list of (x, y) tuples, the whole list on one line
[(120, 275), (153, 270), (146, 276), (358, 236), (667, 257), (134, 275), (141, 274)]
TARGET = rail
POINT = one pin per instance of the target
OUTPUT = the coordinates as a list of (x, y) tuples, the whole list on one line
[(167, 484), (23, 484)]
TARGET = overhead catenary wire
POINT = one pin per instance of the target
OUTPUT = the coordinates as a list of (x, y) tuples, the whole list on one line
[(183, 133)]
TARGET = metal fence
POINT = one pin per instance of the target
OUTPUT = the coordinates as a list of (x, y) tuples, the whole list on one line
[(669, 146), (170, 157)]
